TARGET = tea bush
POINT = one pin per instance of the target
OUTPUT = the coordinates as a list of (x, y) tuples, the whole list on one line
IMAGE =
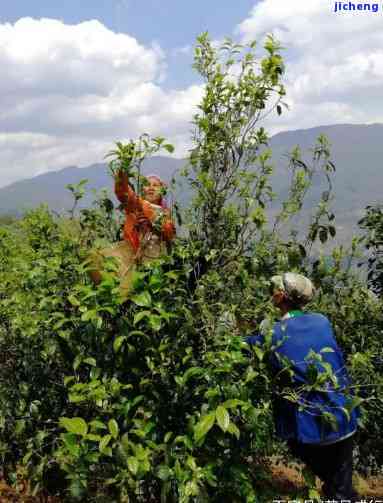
[(157, 398)]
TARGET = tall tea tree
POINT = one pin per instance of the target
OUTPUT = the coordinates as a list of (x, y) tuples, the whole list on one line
[(230, 160), (372, 225)]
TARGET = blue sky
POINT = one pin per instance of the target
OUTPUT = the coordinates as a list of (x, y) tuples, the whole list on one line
[(173, 24), (79, 75)]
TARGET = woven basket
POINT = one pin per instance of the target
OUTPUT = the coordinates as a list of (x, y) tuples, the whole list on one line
[(150, 250)]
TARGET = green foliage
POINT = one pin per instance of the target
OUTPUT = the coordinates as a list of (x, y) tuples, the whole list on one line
[(372, 224), (128, 157), (158, 398), (78, 192), (229, 168)]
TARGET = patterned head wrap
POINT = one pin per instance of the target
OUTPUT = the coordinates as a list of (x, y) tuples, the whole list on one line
[(297, 287), (163, 203)]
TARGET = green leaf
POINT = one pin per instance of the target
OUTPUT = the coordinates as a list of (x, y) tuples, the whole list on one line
[(141, 315), (223, 418), (203, 426), (355, 402), (164, 472), (314, 494), (142, 299), (169, 148), (75, 425), (258, 351), (136, 332), (190, 462), (113, 428), (68, 379), (77, 490), (250, 375), (104, 443), (331, 420), (346, 413), (27, 457), (90, 361), (191, 372), (232, 428), (77, 362), (71, 443), (76, 398), (327, 350), (133, 464), (72, 299), (137, 279), (97, 425), (107, 452), (191, 489), (231, 404), (118, 341), (308, 477), (89, 315), (155, 322)]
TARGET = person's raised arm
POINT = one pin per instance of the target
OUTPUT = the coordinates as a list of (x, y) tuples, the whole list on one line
[(124, 190)]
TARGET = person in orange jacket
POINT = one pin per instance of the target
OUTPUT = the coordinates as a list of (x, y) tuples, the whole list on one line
[(148, 223), (148, 229)]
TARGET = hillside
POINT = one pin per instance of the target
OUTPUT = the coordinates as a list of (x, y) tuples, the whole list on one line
[(50, 187), (357, 151)]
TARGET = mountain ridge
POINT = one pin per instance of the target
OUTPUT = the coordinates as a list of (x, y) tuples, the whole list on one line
[(356, 151)]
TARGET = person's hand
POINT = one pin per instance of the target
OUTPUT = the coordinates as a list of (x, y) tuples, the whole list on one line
[(143, 221), (168, 230)]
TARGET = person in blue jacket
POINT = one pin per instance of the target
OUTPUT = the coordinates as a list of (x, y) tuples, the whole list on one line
[(313, 408)]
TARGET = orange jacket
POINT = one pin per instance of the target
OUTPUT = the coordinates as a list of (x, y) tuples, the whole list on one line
[(135, 207)]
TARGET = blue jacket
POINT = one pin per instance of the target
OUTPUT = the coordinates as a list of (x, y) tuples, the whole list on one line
[(292, 340)]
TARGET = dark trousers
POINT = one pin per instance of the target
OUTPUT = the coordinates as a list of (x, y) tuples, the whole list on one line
[(332, 464)]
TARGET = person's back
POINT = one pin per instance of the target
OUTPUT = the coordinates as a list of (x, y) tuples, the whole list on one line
[(312, 404), (305, 344)]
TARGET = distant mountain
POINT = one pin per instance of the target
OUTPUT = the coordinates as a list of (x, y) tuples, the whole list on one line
[(50, 188), (357, 151)]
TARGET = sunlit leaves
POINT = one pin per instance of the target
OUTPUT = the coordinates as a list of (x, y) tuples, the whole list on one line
[(223, 418), (75, 425), (113, 428), (142, 299), (103, 445), (128, 157), (204, 426), (156, 395)]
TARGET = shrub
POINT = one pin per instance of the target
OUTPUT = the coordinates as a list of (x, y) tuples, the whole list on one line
[(158, 398)]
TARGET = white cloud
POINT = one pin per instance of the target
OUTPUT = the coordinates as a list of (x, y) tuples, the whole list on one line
[(69, 91), (334, 60)]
